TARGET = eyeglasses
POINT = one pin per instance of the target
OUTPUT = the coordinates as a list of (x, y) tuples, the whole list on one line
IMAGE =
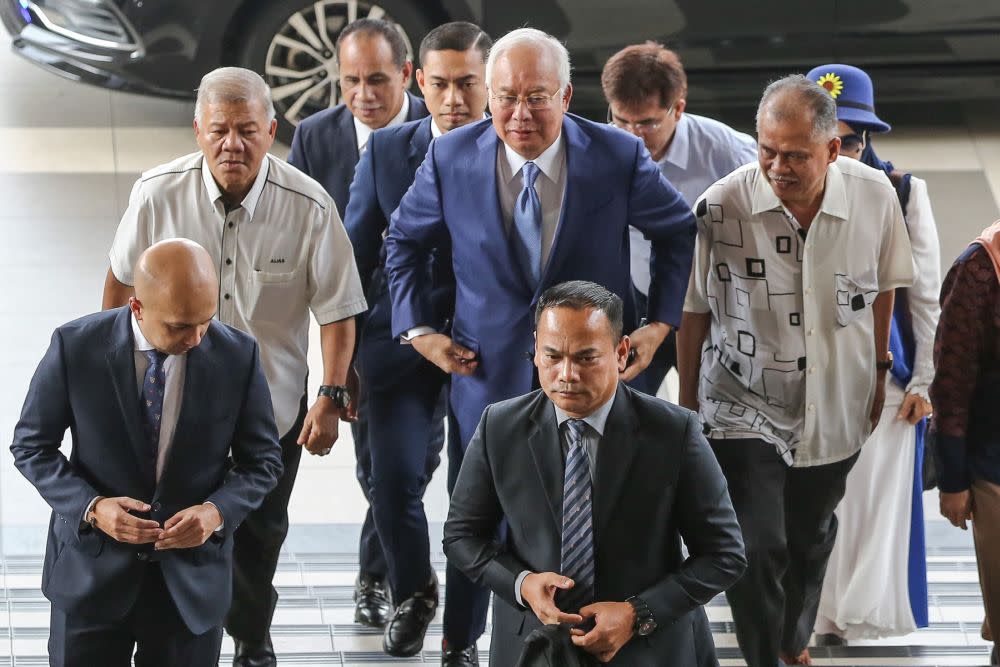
[(640, 127), (535, 101), (852, 142)]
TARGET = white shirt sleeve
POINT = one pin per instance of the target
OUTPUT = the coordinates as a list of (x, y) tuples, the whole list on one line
[(517, 586), (696, 300), (133, 235), (334, 286), (416, 331), (923, 296), (895, 259)]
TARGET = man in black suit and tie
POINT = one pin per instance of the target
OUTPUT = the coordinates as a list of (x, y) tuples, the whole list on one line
[(374, 76), (156, 395), (598, 484)]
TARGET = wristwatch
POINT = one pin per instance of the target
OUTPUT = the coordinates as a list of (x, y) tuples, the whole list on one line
[(339, 393), (884, 365), (644, 621)]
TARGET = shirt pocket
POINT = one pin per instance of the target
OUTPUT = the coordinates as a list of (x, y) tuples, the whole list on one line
[(854, 293), (275, 297)]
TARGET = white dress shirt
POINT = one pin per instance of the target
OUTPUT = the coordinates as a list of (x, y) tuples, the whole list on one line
[(174, 368), (592, 435), (550, 186), (790, 354), (362, 131)]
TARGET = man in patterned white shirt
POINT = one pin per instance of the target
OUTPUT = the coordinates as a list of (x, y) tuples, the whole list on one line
[(783, 349)]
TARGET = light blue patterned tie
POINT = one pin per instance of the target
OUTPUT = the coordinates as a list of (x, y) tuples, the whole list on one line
[(528, 225), (577, 526), (152, 399)]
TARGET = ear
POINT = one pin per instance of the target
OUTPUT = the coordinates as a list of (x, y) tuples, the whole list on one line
[(407, 72), (679, 107), (194, 124), (136, 307), (622, 352), (420, 81), (834, 150), (567, 96), (272, 130)]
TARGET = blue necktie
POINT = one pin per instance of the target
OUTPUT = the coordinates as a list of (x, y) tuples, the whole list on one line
[(528, 225), (151, 399), (577, 526)]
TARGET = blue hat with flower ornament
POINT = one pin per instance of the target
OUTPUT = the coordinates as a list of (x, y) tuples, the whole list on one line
[(851, 89)]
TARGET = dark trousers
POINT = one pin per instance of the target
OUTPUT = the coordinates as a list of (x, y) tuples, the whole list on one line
[(466, 603), (786, 515), (257, 545), (650, 379), (153, 625), (371, 554), (405, 436)]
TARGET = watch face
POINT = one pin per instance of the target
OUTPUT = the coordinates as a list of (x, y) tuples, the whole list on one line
[(647, 626)]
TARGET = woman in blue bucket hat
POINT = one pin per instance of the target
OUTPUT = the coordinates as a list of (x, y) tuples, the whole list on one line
[(876, 580)]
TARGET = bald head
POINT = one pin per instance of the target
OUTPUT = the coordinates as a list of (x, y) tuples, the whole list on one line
[(176, 294)]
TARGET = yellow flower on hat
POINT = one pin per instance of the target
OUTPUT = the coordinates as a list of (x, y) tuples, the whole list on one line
[(832, 83)]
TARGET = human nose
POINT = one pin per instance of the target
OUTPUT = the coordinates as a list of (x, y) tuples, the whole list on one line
[(521, 110), (567, 371), (232, 141), (453, 96)]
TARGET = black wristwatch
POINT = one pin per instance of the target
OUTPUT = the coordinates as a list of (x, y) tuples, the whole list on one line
[(339, 393), (884, 365), (644, 621)]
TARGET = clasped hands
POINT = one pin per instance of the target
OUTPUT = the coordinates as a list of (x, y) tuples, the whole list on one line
[(188, 528), (613, 621)]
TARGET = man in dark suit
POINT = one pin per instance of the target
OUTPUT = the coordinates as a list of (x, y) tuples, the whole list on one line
[(156, 395), (598, 484), (406, 395), (374, 75)]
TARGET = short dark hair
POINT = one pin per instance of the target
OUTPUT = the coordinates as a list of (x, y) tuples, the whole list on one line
[(638, 72), (387, 29), (456, 36), (582, 294)]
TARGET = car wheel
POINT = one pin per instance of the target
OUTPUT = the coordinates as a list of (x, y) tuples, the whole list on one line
[(293, 49)]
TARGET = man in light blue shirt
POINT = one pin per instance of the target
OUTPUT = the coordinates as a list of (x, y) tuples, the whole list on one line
[(646, 87)]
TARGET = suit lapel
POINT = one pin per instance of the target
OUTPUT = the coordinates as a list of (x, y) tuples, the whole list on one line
[(199, 371), (614, 458), (546, 450), (419, 143), (121, 366)]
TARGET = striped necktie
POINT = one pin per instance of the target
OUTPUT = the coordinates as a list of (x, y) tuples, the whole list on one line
[(151, 399), (577, 527), (528, 225)]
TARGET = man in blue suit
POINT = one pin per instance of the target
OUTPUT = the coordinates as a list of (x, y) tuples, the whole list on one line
[(531, 198), (406, 395), (374, 75), (156, 395)]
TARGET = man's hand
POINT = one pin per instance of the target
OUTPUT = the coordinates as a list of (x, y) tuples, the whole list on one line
[(319, 430), (957, 508), (879, 401), (914, 408), (190, 528), (445, 353), (613, 629), (114, 521), (538, 590), (645, 341)]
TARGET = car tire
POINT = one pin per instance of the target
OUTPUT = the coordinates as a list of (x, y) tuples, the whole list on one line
[(285, 45)]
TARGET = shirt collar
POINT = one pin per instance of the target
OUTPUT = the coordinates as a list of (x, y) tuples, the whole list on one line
[(596, 419), (249, 203), (550, 162), (362, 131), (141, 344), (834, 194), (680, 145)]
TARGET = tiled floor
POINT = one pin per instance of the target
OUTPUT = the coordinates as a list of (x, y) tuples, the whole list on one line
[(68, 157)]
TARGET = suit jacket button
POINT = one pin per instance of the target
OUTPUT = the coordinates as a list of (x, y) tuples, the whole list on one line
[(156, 507), (142, 555)]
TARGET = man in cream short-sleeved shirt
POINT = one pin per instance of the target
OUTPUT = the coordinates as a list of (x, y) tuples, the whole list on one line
[(783, 349), (282, 251)]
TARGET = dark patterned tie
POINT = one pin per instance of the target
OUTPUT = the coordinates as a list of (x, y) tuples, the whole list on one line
[(577, 527), (152, 399), (528, 225)]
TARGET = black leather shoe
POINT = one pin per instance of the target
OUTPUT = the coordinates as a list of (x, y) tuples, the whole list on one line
[(254, 654), (404, 634), (829, 639), (371, 601), (464, 657)]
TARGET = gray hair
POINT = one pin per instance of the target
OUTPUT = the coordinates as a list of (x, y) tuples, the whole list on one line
[(803, 94), (537, 39), (233, 84)]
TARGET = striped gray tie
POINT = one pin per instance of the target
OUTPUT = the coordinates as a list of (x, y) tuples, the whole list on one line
[(577, 527)]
